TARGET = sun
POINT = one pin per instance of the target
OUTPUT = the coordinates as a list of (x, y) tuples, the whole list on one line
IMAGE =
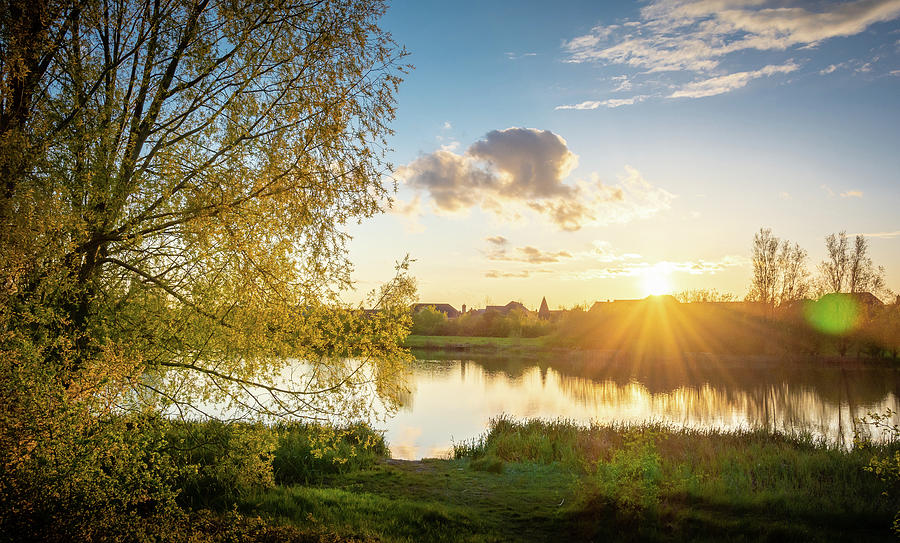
[(656, 282)]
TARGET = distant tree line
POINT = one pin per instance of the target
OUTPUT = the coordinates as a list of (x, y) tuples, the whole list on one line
[(516, 323)]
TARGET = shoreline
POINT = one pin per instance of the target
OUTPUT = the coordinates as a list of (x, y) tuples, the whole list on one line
[(538, 348)]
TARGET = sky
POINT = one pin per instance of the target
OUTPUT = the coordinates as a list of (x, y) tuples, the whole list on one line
[(590, 151)]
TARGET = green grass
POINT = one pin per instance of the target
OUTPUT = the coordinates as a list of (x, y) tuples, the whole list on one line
[(432, 500), (553, 480), (472, 343)]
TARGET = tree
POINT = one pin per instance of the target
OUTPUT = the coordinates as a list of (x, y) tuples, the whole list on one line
[(780, 272), (176, 180), (177, 177), (428, 321), (846, 271), (834, 268), (794, 274), (704, 295), (765, 267)]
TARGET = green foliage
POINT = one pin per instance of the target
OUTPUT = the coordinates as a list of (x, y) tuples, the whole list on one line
[(177, 179), (885, 466), (634, 476), (308, 453), (221, 462), (428, 321), (71, 469), (514, 324)]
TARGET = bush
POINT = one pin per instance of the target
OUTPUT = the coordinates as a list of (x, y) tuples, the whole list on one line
[(221, 462), (633, 476), (71, 467), (307, 453)]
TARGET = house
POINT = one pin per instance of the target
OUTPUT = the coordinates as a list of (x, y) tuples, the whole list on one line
[(446, 309), (505, 309)]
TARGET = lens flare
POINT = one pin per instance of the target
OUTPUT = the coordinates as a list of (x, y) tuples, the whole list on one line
[(835, 314)]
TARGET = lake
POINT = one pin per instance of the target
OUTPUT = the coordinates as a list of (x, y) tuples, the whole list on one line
[(454, 399)]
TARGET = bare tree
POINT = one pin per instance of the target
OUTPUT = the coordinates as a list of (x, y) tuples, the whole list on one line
[(794, 273), (863, 275), (846, 270), (765, 266), (834, 268), (780, 274)]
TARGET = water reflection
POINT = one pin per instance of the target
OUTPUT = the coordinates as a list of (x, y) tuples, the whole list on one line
[(454, 399)]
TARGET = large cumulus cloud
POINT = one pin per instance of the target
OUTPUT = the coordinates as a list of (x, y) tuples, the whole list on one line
[(517, 171)]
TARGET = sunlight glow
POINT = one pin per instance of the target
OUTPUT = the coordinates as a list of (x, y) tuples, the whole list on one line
[(656, 282)]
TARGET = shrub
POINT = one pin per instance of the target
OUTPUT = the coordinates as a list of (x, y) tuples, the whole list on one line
[(634, 475), (222, 462), (308, 452)]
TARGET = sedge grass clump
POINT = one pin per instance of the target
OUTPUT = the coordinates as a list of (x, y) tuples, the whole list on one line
[(308, 453), (535, 440)]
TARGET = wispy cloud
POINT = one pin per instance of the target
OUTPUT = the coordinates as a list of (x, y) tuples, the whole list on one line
[(636, 269), (710, 37), (881, 235), (527, 254), (516, 56), (521, 274), (610, 103), (730, 82), (511, 173), (852, 194)]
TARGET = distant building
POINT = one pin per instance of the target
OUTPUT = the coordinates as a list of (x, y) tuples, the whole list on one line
[(505, 309), (446, 309), (544, 311)]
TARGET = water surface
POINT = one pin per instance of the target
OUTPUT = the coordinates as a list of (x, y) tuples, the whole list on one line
[(454, 399)]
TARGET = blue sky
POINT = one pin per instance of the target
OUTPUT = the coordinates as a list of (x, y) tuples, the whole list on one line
[(596, 150)]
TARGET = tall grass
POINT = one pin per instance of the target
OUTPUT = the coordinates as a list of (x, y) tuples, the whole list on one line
[(652, 468)]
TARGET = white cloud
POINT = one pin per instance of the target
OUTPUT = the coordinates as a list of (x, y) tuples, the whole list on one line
[(728, 83), (852, 194), (514, 56), (517, 171), (623, 83), (701, 36), (881, 235), (610, 103)]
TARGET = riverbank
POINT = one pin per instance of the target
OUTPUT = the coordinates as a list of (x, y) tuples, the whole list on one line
[(540, 481), (475, 343), (442, 347)]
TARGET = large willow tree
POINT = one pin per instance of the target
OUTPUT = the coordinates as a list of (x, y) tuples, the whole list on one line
[(177, 177)]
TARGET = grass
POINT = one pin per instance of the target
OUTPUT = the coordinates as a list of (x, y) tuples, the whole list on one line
[(465, 343), (540, 481)]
